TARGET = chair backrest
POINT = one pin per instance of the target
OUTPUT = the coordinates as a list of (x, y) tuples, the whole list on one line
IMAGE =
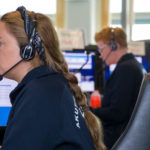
[(137, 133)]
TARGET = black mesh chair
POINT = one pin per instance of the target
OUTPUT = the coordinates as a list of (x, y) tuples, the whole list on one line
[(137, 133)]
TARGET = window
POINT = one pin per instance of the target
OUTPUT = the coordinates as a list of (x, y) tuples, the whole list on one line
[(141, 24), (47, 7), (44, 6), (115, 13)]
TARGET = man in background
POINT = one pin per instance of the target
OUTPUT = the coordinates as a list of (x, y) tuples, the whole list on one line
[(122, 87)]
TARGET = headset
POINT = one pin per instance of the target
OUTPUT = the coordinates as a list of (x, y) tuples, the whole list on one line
[(113, 45), (27, 52)]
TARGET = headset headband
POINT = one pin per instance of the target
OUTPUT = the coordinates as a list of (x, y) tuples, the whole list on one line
[(28, 51), (27, 20)]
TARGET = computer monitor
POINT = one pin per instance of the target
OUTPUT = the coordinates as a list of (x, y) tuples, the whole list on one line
[(6, 86), (83, 66)]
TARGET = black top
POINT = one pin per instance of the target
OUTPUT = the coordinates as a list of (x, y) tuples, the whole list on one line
[(44, 115), (120, 95)]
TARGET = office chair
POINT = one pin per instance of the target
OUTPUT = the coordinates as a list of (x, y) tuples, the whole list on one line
[(137, 133)]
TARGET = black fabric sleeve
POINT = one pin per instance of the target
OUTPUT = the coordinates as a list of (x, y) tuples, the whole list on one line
[(121, 96)]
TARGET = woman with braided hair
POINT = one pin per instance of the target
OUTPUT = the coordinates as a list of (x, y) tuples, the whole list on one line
[(49, 110)]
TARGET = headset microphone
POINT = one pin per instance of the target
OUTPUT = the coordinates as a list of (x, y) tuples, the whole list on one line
[(104, 61), (1, 76), (107, 56)]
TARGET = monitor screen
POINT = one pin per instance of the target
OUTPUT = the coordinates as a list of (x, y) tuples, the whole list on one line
[(6, 86), (83, 66)]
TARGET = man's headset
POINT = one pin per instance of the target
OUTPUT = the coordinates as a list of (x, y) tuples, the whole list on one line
[(113, 45)]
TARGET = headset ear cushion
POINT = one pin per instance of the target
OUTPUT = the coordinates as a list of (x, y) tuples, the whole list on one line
[(113, 46), (27, 52)]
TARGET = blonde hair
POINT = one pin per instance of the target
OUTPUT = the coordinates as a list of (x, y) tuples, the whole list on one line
[(55, 59)]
